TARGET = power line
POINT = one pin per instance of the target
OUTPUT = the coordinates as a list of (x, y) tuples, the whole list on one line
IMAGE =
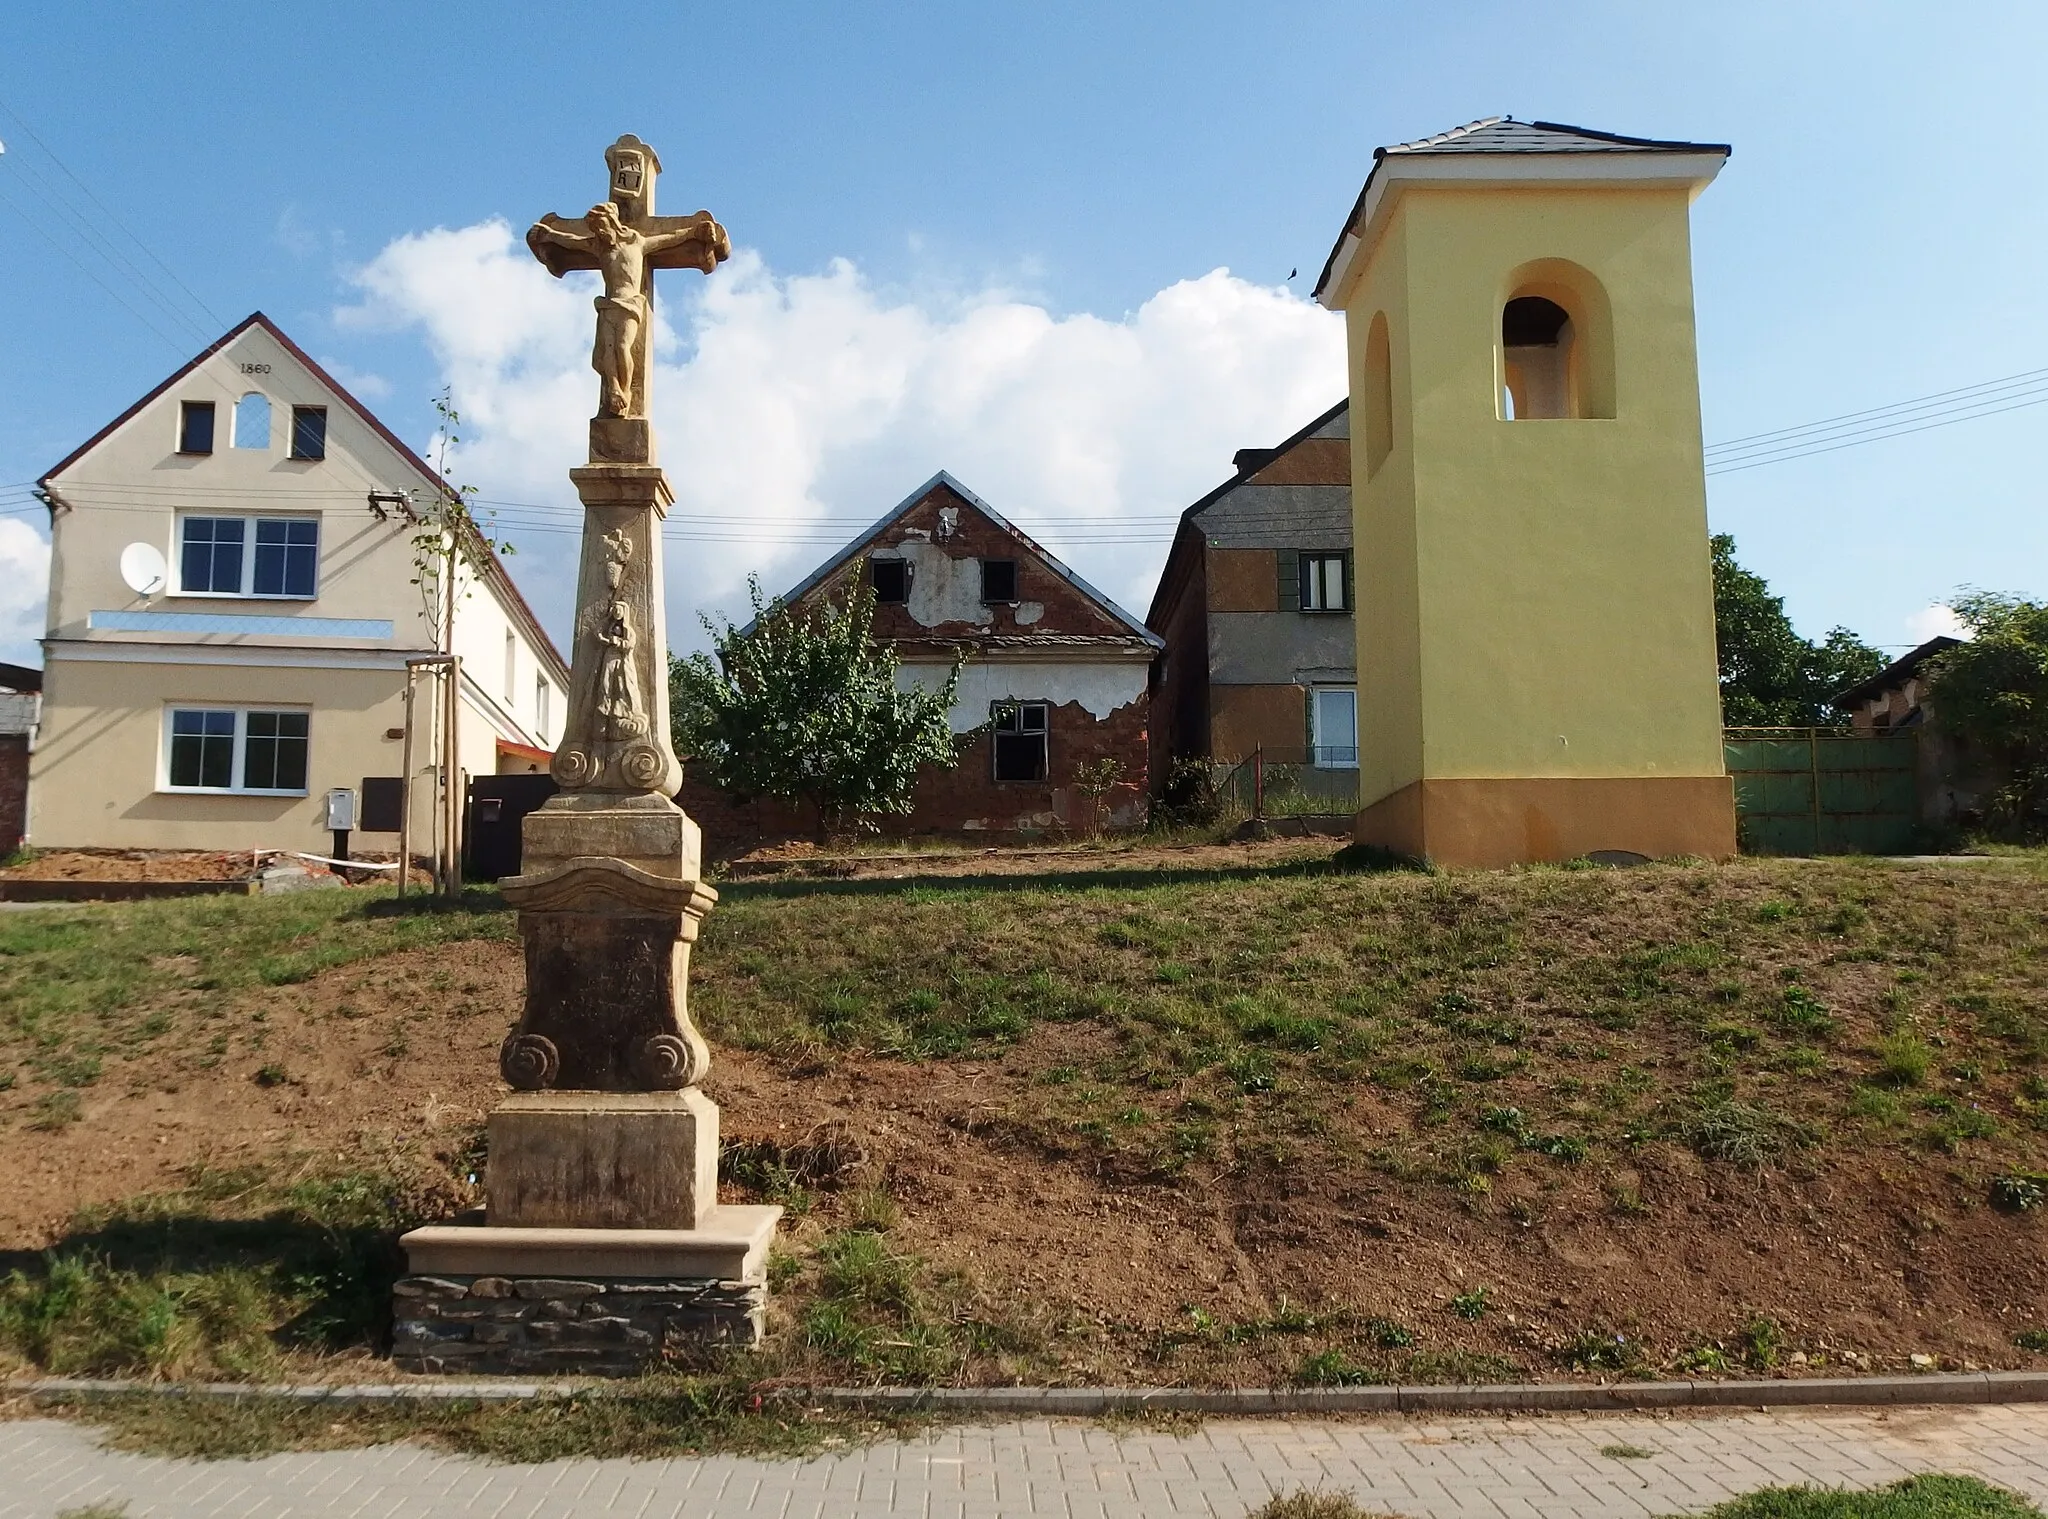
[(122, 227)]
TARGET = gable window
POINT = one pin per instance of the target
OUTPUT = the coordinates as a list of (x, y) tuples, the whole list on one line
[(998, 581), (214, 557), (891, 580), (195, 427), (1333, 721), (236, 749), (1325, 582), (1019, 739), (252, 422), (309, 432)]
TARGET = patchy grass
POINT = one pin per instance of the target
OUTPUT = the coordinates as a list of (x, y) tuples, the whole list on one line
[(84, 990), (1930, 1497), (656, 1416), (1288, 1056), (1314, 1503), (223, 1279)]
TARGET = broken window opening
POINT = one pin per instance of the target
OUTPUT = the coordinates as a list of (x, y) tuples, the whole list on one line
[(891, 580), (1019, 739), (998, 581)]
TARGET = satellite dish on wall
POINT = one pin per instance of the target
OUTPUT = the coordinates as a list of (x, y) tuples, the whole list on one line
[(143, 568)]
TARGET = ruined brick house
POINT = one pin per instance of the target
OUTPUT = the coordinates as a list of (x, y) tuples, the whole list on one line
[(1057, 675), (1255, 607)]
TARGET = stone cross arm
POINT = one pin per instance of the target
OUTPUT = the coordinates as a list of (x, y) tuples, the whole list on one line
[(668, 242)]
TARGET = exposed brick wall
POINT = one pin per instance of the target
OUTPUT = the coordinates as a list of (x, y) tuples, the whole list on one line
[(1180, 691), (1246, 717), (1066, 608), (13, 790)]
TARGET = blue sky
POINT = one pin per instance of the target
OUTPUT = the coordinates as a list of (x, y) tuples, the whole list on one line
[(927, 191)]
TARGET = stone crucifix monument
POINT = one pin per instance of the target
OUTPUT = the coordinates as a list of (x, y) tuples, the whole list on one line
[(603, 1239)]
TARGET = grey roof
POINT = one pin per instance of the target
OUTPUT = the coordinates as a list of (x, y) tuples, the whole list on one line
[(824, 571), (1505, 135)]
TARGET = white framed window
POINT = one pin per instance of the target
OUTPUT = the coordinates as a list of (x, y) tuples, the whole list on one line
[(1333, 723), (1019, 739), (511, 667), (1325, 583), (255, 750), (270, 557), (542, 691)]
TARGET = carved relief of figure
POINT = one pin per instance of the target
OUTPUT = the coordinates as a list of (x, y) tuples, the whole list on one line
[(618, 696)]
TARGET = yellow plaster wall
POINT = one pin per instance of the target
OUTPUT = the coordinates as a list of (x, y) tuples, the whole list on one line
[(1384, 562), (1536, 598), (98, 756)]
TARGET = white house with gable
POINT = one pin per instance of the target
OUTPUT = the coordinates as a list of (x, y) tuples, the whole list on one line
[(233, 602)]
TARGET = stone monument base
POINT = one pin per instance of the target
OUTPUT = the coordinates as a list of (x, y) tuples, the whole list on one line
[(490, 1301), (603, 1160)]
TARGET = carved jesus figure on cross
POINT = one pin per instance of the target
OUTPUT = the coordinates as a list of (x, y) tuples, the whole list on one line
[(626, 242)]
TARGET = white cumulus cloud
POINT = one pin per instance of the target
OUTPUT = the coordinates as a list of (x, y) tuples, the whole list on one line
[(1936, 621), (793, 409), (24, 578)]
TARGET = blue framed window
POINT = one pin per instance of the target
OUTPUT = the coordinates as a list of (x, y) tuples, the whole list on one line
[(287, 557), (216, 557), (210, 558)]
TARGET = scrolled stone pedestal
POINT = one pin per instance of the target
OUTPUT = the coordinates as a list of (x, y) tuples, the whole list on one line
[(604, 1247)]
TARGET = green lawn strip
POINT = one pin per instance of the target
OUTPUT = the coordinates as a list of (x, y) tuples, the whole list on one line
[(81, 989), (1928, 1497), (229, 1278)]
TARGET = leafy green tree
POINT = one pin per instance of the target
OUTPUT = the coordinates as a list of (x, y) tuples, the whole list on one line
[(1770, 676), (1992, 693), (803, 704)]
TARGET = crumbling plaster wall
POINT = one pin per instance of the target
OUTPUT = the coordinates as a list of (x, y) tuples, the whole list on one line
[(1099, 688)]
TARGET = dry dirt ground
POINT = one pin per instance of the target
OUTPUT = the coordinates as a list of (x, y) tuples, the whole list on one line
[(1859, 1257)]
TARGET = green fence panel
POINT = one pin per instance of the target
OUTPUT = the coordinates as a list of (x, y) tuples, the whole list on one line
[(1817, 791)]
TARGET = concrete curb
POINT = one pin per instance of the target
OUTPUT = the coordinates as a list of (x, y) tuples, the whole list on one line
[(1089, 1402)]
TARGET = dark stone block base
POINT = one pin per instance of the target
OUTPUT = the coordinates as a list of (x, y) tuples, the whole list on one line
[(617, 1326)]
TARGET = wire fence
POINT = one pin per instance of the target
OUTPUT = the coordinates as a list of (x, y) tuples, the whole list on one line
[(1280, 782)]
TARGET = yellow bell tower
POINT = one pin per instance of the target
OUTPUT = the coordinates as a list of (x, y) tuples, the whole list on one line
[(1535, 610)]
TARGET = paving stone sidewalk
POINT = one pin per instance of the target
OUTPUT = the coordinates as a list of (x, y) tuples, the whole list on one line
[(1549, 1466)]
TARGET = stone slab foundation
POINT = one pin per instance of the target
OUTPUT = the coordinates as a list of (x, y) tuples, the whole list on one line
[(1487, 823), (614, 1326)]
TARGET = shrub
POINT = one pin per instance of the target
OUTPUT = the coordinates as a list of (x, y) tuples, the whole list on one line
[(2017, 1191)]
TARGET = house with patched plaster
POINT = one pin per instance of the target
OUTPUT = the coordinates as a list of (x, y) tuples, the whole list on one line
[(1255, 607), (235, 596), (1056, 677)]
